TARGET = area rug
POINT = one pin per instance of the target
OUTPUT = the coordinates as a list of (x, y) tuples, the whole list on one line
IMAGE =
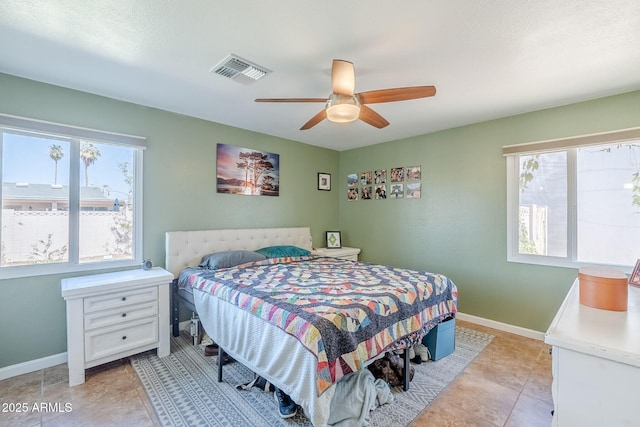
[(184, 390)]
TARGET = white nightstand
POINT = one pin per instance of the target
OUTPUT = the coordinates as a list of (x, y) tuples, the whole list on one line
[(344, 253), (114, 315)]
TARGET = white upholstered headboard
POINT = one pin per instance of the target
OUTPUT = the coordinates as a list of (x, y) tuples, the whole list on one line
[(186, 248)]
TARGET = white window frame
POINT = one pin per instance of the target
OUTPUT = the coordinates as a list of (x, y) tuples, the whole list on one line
[(74, 133), (570, 146)]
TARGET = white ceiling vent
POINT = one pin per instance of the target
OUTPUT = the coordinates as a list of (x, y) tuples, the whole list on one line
[(240, 70)]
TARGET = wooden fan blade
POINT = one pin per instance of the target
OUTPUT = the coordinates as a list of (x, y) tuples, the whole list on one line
[(343, 80), (315, 120), (397, 94), (291, 100), (369, 116)]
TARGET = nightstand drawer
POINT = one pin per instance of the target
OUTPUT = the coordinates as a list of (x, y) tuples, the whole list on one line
[(120, 315), (120, 299), (350, 254), (105, 342)]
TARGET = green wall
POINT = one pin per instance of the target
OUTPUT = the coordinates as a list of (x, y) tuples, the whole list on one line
[(458, 226), (179, 194)]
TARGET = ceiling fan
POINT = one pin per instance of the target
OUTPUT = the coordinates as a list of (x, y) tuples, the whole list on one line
[(344, 105)]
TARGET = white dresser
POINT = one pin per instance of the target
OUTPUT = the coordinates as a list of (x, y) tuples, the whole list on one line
[(595, 363), (344, 253), (114, 315)]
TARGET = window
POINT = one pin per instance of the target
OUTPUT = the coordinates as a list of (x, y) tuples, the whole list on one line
[(575, 201), (71, 198)]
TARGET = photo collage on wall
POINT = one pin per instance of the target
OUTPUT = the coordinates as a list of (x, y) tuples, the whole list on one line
[(395, 183)]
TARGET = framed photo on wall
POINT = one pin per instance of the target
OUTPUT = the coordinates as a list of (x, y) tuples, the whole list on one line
[(324, 181), (233, 165), (414, 173), (634, 279), (352, 180), (333, 240)]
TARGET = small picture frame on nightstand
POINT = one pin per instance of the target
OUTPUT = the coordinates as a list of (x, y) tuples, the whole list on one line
[(333, 240)]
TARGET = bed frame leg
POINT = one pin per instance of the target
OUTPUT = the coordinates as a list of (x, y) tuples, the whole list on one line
[(405, 370), (220, 363), (175, 308)]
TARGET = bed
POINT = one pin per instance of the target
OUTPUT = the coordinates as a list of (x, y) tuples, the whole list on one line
[(280, 341)]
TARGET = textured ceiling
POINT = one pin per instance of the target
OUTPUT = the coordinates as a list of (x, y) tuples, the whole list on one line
[(487, 59)]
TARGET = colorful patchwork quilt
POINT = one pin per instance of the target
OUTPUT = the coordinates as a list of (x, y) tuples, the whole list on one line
[(344, 312)]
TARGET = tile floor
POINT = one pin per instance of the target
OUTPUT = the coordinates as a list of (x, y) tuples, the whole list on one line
[(507, 385)]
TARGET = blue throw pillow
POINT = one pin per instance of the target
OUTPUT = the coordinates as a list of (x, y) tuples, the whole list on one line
[(229, 259), (283, 251)]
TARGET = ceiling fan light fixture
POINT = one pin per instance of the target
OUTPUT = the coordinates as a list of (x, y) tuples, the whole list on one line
[(342, 108), (345, 105)]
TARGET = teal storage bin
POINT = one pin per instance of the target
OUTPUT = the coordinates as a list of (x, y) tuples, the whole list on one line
[(441, 340)]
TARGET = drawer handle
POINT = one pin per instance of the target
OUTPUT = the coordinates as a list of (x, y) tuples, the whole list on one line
[(124, 337), (124, 298), (124, 314)]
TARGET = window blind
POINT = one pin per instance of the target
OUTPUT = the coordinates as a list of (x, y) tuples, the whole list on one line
[(55, 129), (621, 136)]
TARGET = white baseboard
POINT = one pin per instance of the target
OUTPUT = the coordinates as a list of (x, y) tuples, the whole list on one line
[(529, 333), (32, 365), (49, 361), (56, 359)]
